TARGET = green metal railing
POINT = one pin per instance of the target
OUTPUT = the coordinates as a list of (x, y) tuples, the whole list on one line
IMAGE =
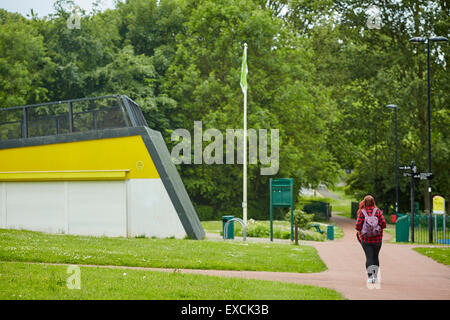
[(68, 116), (403, 229)]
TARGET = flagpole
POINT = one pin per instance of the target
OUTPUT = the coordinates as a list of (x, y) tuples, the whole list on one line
[(244, 201)]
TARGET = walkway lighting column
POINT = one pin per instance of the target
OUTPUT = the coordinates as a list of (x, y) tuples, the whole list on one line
[(430, 197)]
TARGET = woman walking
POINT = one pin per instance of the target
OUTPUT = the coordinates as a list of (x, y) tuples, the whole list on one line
[(369, 226)]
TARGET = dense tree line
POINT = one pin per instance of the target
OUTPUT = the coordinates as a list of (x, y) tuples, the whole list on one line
[(316, 73)]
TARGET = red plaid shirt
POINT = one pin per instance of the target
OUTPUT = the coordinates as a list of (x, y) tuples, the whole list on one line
[(381, 223)]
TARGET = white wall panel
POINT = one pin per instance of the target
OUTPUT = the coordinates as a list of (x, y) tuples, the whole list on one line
[(2, 205), (150, 210), (97, 208), (37, 206), (109, 208)]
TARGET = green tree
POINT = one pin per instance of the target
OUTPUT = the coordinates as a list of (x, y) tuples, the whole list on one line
[(365, 69), (204, 80), (24, 64)]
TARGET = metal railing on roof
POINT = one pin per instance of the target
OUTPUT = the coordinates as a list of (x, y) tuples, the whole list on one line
[(76, 115)]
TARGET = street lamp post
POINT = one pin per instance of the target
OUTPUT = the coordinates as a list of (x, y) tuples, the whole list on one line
[(395, 107), (430, 197)]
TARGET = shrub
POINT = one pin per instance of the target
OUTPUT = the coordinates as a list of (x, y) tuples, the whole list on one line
[(205, 213), (261, 229), (301, 219), (310, 235)]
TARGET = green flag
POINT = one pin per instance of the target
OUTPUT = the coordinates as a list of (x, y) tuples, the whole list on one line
[(244, 70)]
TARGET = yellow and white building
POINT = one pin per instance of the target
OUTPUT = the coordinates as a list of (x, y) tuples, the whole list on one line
[(116, 181)]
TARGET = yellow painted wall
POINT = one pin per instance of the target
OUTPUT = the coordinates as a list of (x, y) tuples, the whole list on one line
[(124, 153)]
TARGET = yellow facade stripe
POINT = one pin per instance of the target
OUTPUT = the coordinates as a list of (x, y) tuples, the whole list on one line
[(64, 176), (93, 155)]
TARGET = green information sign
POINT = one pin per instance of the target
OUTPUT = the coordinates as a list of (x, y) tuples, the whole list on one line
[(282, 195)]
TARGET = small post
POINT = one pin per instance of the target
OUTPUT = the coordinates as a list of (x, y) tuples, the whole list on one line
[(57, 125), (296, 234), (25, 124), (94, 116), (435, 229), (443, 221), (70, 117), (292, 208)]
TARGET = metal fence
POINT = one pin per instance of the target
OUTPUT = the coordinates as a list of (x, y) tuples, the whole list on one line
[(404, 232), (77, 115)]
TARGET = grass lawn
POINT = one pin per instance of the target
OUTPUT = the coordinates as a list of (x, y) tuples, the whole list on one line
[(29, 246), (441, 255), (31, 281)]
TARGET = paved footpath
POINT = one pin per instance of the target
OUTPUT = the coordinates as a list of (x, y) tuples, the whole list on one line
[(405, 274)]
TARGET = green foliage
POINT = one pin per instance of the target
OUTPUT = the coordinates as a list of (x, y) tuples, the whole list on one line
[(205, 75), (281, 230), (301, 218), (261, 229), (205, 213), (310, 235), (24, 63), (367, 69), (258, 230)]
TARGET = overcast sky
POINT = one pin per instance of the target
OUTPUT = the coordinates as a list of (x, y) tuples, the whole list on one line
[(44, 7)]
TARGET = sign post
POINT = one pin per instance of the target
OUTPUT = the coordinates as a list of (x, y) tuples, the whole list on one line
[(416, 175), (413, 174), (281, 195), (413, 170), (439, 208)]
